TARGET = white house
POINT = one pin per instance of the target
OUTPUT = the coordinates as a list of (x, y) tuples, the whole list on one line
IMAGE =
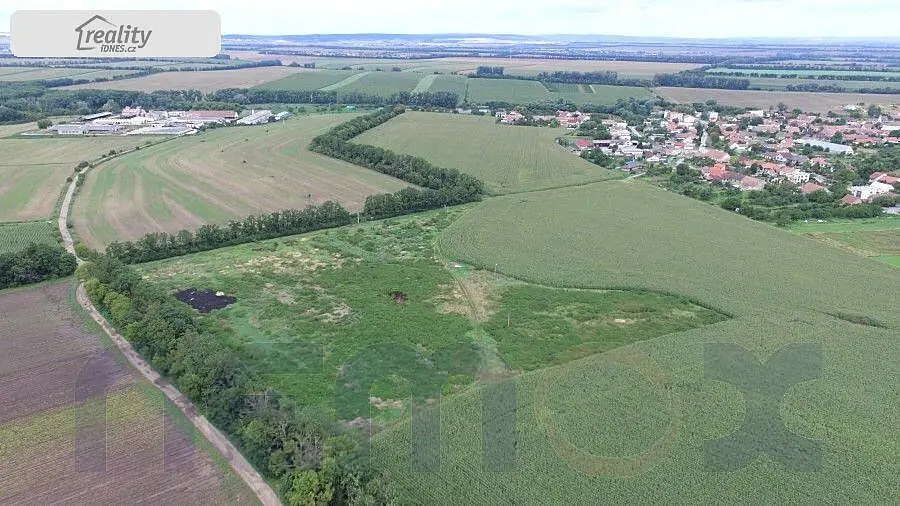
[(871, 190), (798, 176)]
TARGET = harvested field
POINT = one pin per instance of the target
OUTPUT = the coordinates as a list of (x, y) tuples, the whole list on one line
[(206, 81), (812, 102), (216, 176), (33, 171), (508, 158), (77, 427)]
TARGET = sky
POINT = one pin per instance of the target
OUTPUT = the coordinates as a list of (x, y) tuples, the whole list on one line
[(657, 18)]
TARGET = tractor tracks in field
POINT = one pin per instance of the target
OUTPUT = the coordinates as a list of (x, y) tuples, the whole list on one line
[(216, 438)]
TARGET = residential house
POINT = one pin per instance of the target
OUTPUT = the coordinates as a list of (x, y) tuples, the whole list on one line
[(808, 188), (750, 183)]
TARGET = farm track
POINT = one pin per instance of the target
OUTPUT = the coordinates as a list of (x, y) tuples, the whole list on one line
[(219, 441)]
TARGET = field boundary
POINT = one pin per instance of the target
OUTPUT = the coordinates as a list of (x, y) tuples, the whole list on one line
[(219, 441)]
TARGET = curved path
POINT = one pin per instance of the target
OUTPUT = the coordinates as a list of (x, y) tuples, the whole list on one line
[(238, 463)]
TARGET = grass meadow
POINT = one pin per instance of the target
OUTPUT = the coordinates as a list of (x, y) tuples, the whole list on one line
[(507, 158), (875, 237), (15, 236), (630, 425), (38, 73), (216, 176)]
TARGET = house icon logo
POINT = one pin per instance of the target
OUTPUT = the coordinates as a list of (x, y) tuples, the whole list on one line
[(99, 33)]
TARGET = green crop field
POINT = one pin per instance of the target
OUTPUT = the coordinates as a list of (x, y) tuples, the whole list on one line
[(216, 176), (875, 237), (15, 236), (33, 171), (508, 158), (380, 83), (517, 91), (308, 80), (320, 320), (631, 425), (451, 83)]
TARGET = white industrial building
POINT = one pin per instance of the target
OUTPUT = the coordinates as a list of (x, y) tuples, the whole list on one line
[(256, 117)]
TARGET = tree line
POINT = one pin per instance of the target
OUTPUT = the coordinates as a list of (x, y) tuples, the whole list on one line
[(310, 458), (159, 245), (35, 263), (696, 80), (440, 186)]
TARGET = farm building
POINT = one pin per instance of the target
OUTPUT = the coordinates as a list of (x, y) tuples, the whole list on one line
[(210, 116), (163, 130), (92, 117), (99, 128), (68, 129), (827, 146), (256, 118)]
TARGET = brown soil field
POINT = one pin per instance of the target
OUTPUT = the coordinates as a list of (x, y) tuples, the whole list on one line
[(206, 81), (78, 427), (811, 102)]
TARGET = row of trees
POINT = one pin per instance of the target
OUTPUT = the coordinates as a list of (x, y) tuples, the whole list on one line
[(440, 186), (310, 458), (835, 88), (158, 245), (697, 80), (35, 263), (824, 77), (604, 77)]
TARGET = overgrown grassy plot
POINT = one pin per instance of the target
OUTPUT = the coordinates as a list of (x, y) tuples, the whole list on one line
[(15, 236), (357, 321), (539, 326)]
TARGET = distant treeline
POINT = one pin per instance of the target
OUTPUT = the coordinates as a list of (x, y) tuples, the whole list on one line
[(307, 456), (696, 80), (820, 77), (441, 187), (35, 263), (443, 99), (833, 88), (887, 67), (21, 102)]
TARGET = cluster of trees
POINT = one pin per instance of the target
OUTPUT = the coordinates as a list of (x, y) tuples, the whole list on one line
[(605, 77), (697, 80), (440, 186), (155, 246), (309, 457), (594, 130), (35, 263), (30, 101), (488, 71)]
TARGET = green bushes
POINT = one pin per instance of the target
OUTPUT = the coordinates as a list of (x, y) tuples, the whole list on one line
[(35, 263)]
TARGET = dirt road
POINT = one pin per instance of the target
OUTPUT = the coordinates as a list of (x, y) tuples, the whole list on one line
[(241, 466)]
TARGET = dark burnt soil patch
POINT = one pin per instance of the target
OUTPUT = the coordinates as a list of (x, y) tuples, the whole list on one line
[(399, 297), (205, 301)]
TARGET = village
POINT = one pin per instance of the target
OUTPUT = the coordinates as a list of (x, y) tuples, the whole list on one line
[(137, 121), (744, 151)]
